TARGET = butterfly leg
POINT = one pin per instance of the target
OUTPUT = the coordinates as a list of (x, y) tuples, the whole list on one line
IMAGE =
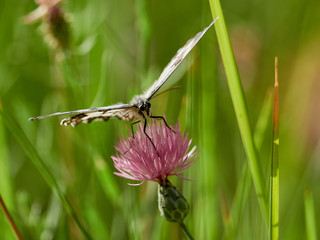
[(132, 132), (144, 130), (164, 120), (132, 127)]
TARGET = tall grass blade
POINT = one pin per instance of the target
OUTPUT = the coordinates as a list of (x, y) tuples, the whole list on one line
[(274, 185), (244, 183), (5, 179), (311, 225), (206, 221), (26, 145), (239, 104), (10, 219), (96, 223), (107, 181), (53, 216)]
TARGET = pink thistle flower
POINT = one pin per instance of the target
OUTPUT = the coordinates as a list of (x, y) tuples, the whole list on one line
[(136, 158)]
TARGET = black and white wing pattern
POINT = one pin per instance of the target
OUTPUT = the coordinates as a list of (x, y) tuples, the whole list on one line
[(138, 109), (126, 112), (175, 62)]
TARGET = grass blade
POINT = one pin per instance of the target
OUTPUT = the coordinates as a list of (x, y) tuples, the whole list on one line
[(244, 183), (26, 145), (274, 185), (310, 215), (10, 219), (206, 224), (239, 104), (107, 181), (5, 178)]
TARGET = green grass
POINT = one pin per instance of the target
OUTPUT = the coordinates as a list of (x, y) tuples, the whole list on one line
[(239, 103), (58, 182), (275, 178), (311, 228)]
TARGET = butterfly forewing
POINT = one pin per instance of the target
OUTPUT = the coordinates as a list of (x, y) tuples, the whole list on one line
[(126, 114), (87, 111), (175, 62)]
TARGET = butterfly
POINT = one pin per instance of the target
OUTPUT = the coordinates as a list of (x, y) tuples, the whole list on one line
[(139, 107)]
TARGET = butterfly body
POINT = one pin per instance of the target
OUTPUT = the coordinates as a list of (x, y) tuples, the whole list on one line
[(142, 104)]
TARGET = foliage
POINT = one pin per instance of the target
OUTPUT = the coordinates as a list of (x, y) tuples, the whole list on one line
[(117, 49)]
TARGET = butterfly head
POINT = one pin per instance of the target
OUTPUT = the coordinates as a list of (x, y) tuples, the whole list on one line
[(142, 104)]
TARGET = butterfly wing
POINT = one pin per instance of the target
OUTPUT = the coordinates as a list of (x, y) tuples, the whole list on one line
[(125, 112), (175, 62)]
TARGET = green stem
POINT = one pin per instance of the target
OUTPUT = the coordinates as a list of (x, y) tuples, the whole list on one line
[(239, 104), (185, 230), (274, 184)]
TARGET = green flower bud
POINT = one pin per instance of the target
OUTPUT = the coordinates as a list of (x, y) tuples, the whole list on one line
[(172, 204)]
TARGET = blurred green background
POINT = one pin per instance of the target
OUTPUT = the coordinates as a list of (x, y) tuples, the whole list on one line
[(118, 49)]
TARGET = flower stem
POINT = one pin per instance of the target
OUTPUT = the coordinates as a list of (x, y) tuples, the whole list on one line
[(185, 230)]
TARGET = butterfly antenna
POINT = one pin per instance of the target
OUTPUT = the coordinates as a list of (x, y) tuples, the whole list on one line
[(173, 88)]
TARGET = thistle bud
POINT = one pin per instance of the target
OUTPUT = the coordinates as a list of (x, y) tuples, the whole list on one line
[(55, 26), (172, 204)]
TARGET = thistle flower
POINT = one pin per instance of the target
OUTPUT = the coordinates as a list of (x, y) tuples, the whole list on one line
[(55, 27), (136, 158)]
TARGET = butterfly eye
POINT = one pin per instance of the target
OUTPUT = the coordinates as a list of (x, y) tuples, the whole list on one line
[(142, 107), (148, 104)]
